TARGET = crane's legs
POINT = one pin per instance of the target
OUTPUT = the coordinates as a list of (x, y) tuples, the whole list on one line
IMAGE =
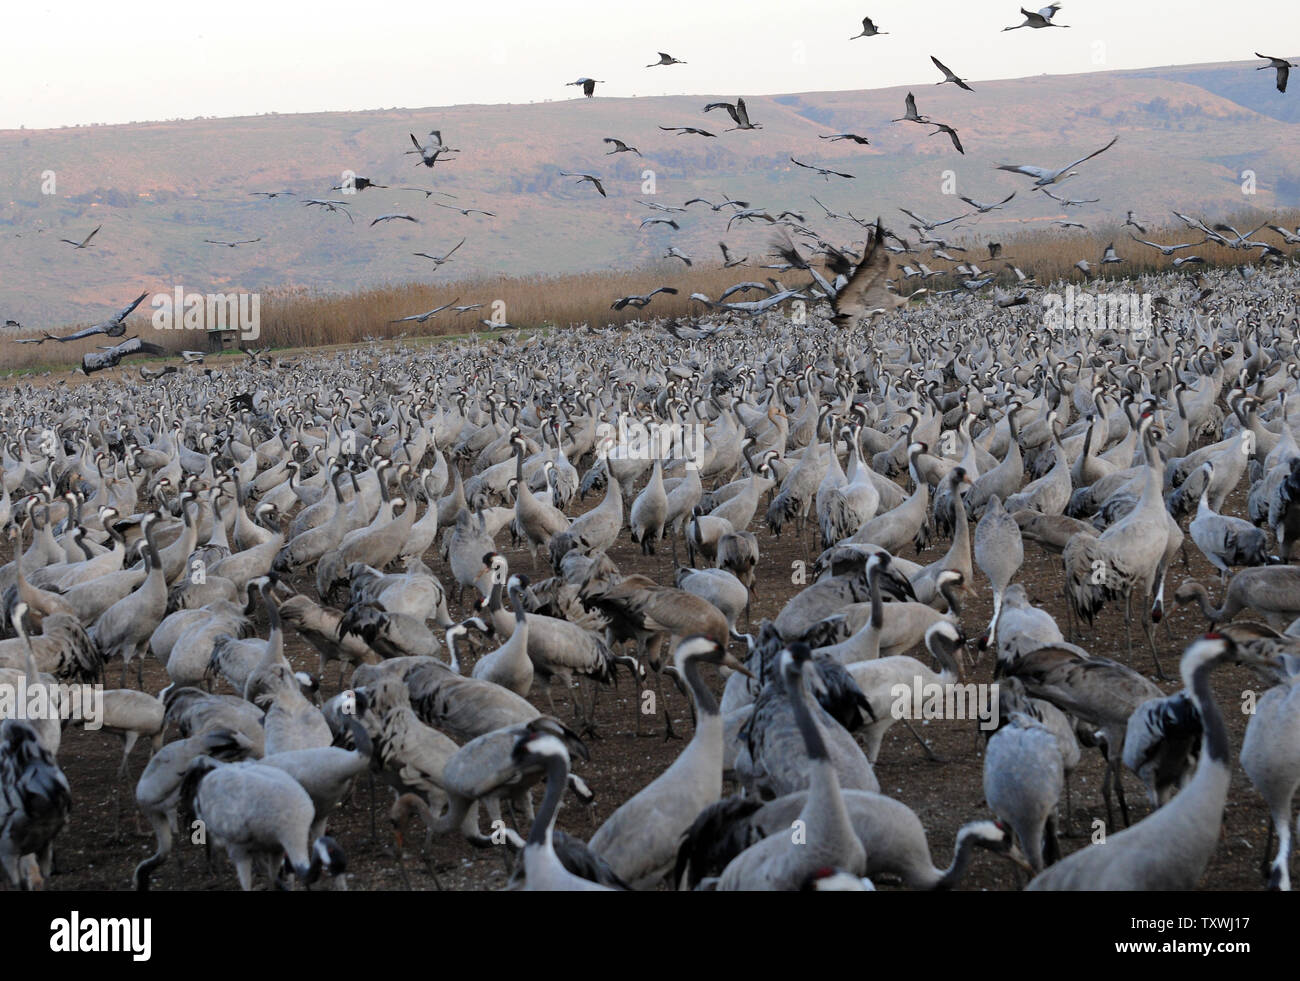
[(1114, 777), (585, 723), (1069, 810), (1051, 845), (587, 712), (1128, 622), (1280, 875), (1073, 633), (663, 706), (644, 652), (930, 754), (374, 831), (1149, 628)]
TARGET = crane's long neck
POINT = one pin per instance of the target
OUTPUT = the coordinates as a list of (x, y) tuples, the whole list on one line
[(1211, 612), (520, 636), (869, 632), (962, 853), (812, 736), (1152, 490), (854, 469), (1197, 810), (961, 535), (19, 577), (1203, 509), (877, 620), (217, 538), (705, 703), (824, 811), (452, 635), (275, 642), (613, 493), (151, 550), (1215, 751), (557, 774), (29, 658), (273, 653)]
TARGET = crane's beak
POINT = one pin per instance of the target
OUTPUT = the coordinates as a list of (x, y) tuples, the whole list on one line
[(731, 661), (1017, 858)]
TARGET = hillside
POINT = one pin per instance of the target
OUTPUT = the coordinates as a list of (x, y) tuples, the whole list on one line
[(159, 189)]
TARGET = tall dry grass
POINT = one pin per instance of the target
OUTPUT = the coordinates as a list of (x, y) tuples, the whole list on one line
[(296, 318), (1051, 253), (302, 319)]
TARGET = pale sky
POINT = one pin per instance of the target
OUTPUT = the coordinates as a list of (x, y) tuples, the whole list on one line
[(137, 60)]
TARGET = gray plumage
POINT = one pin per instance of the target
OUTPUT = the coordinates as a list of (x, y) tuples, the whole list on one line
[(1223, 539), (1161, 744), (822, 834), (890, 832), (1270, 755), (999, 553), (544, 872), (1023, 779), (460, 707), (157, 792), (259, 813), (1170, 848), (34, 804), (639, 840)]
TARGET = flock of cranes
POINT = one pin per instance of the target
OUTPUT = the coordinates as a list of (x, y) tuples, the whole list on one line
[(432, 150), (424, 523), (214, 522)]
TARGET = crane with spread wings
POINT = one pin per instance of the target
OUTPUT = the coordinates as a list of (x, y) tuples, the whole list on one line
[(114, 326), (867, 292), (111, 356)]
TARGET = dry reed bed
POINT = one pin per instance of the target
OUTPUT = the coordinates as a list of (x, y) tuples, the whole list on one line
[(296, 318)]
